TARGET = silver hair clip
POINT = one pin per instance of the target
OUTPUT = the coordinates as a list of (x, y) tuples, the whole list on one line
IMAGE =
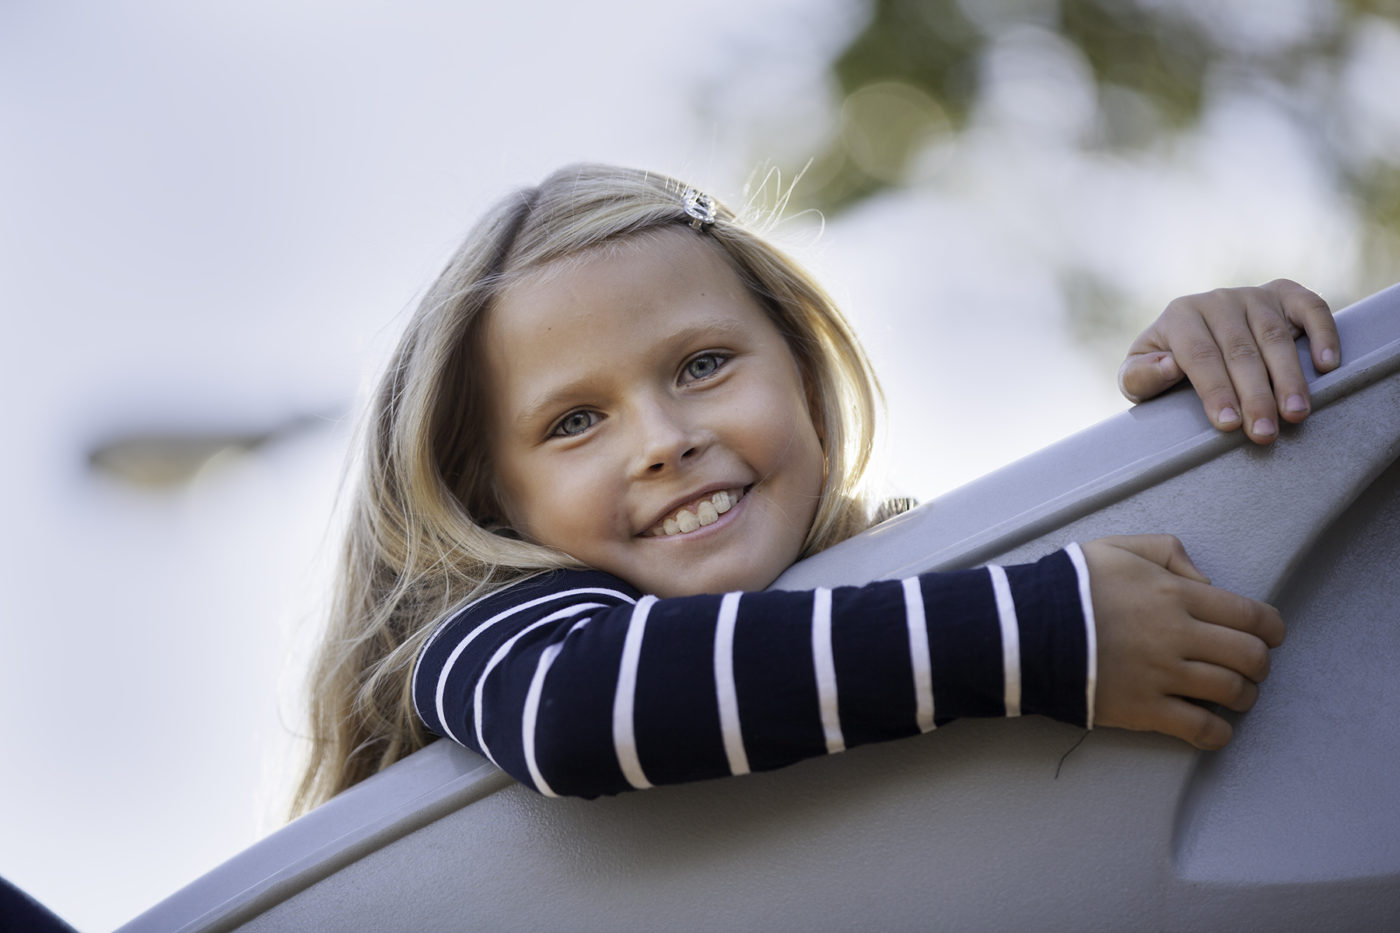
[(699, 207)]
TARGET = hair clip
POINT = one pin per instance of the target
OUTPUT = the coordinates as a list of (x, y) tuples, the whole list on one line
[(699, 207)]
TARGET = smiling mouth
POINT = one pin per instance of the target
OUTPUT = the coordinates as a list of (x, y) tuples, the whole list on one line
[(696, 515)]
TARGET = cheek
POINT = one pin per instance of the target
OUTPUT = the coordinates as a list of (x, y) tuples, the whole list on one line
[(814, 456), (804, 430), (556, 506), (792, 445), (518, 494), (808, 401), (815, 411), (809, 453)]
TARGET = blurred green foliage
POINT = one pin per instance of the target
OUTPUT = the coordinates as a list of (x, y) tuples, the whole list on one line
[(914, 74)]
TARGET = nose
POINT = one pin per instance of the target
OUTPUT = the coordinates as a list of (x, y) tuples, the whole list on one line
[(668, 437)]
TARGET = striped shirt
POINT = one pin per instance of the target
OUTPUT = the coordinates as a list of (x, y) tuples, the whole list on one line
[(575, 683)]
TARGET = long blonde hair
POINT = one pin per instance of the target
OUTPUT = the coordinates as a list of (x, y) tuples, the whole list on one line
[(425, 533)]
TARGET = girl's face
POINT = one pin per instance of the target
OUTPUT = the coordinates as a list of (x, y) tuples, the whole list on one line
[(649, 419)]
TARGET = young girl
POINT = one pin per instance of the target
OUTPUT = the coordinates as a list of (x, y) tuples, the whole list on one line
[(617, 416)]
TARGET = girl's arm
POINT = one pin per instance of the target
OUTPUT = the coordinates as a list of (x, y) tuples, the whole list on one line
[(1236, 347), (576, 684)]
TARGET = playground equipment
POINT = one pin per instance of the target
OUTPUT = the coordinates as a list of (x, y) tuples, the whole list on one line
[(998, 824)]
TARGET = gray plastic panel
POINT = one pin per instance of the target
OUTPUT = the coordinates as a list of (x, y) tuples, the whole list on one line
[(984, 824)]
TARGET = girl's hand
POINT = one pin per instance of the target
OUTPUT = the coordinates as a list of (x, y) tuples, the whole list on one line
[(1236, 347), (1166, 636)]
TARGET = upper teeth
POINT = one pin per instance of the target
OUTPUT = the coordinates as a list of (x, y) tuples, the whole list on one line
[(705, 512)]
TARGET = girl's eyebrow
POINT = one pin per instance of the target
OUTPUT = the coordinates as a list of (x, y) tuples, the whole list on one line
[(719, 328), (546, 405)]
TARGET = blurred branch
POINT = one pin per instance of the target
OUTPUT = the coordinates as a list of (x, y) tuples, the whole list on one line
[(162, 459), (915, 75)]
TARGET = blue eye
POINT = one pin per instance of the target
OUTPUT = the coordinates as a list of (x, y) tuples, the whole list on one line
[(574, 423), (704, 365)]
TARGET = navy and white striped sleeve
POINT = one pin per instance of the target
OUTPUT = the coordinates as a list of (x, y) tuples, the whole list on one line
[(576, 684)]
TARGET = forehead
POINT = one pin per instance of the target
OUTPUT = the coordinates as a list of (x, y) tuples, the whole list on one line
[(639, 277), (614, 303)]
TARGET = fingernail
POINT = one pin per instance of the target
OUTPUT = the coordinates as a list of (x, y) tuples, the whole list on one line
[(1329, 356), (1227, 416), (1264, 427), (1295, 403)]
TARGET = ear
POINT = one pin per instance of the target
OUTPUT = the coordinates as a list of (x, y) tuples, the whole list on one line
[(495, 511)]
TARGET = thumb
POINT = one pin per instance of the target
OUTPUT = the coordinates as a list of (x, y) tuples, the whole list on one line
[(1144, 375), (1166, 551), (1181, 564)]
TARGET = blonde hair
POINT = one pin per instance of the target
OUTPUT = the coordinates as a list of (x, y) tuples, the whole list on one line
[(425, 533)]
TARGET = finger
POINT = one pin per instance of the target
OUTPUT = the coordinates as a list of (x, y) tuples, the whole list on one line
[(1221, 607), (1307, 311), (1274, 335), (1248, 375), (1218, 685), (1228, 649), (1200, 358), (1194, 724), (1145, 375)]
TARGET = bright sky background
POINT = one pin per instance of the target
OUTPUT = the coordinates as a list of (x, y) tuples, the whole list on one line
[(216, 214)]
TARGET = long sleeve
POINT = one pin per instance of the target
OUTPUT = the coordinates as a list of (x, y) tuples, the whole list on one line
[(576, 684)]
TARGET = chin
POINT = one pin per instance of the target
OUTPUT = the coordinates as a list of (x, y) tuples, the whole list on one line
[(744, 579)]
